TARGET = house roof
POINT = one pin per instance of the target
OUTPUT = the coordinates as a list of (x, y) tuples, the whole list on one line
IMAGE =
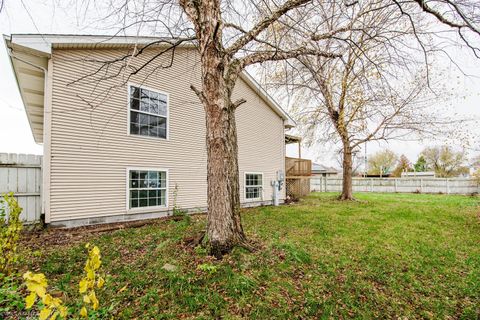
[(320, 168), (29, 54), (419, 174)]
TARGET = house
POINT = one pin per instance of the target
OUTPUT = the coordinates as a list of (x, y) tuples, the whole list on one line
[(324, 171), (419, 175), (126, 149)]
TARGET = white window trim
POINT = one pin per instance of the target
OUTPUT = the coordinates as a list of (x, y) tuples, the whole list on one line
[(129, 86), (127, 185), (245, 187)]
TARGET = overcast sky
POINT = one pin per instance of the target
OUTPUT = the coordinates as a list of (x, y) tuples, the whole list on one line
[(42, 17)]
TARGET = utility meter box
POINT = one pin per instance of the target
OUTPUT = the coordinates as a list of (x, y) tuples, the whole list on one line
[(280, 176)]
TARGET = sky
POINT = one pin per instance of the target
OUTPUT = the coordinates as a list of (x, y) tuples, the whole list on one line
[(41, 17)]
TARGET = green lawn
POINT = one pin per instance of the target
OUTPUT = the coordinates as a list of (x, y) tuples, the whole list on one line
[(385, 256)]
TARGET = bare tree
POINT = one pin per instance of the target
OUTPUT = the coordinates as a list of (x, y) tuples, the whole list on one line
[(380, 89), (382, 163), (227, 43), (403, 165), (230, 36), (445, 161)]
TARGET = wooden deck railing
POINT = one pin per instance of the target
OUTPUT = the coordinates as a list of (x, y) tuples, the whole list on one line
[(295, 167)]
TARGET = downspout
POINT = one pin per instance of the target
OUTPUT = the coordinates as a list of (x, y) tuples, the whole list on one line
[(45, 71), (46, 153)]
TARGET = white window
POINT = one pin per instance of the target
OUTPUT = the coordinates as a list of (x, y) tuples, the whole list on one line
[(147, 188), (253, 185), (148, 112)]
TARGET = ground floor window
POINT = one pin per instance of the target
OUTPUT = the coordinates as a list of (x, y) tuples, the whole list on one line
[(253, 185), (147, 188)]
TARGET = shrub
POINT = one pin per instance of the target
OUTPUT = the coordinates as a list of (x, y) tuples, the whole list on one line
[(37, 286), (10, 228), (91, 280), (52, 307)]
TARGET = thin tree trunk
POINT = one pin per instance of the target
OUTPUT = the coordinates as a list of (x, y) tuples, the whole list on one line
[(347, 189)]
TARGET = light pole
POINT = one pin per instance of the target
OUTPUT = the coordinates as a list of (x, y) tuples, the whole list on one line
[(365, 174)]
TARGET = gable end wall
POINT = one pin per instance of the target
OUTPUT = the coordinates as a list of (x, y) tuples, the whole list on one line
[(91, 150)]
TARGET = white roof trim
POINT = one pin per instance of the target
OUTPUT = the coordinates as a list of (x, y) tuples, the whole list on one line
[(289, 122)]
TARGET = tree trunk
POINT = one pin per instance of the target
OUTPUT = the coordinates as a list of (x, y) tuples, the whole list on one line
[(224, 228), (347, 189)]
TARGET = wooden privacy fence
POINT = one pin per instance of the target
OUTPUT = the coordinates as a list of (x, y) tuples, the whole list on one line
[(406, 185), (22, 175)]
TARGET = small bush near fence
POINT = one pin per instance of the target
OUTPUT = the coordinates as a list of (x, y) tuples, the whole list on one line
[(49, 306), (10, 228)]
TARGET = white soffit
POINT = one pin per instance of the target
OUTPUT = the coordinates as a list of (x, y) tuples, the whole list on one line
[(29, 63)]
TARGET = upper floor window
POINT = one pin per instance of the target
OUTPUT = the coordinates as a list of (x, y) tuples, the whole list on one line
[(253, 185), (148, 112)]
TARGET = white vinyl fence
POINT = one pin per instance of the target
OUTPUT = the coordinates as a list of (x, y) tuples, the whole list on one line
[(22, 175), (406, 185)]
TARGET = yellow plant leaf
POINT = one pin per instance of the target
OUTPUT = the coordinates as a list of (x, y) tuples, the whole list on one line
[(63, 311), (123, 288), (90, 274), (36, 282), (94, 300), (100, 282), (54, 316), (95, 262), (30, 300), (44, 314), (83, 285), (47, 299), (39, 290), (83, 312), (56, 302), (86, 299), (40, 279), (96, 251)]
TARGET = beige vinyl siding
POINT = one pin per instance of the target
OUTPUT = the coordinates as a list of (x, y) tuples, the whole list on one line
[(91, 150)]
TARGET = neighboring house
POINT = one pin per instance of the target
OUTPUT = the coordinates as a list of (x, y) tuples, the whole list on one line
[(324, 171), (117, 150), (419, 175)]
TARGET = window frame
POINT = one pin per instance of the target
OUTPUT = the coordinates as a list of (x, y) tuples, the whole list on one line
[(245, 186), (127, 187), (129, 92)]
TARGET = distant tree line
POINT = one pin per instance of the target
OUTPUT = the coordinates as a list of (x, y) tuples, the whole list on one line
[(443, 160)]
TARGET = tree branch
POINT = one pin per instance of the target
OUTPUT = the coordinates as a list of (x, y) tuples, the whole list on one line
[(263, 24), (263, 56)]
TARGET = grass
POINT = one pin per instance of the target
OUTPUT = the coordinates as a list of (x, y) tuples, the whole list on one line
[(386, 256)]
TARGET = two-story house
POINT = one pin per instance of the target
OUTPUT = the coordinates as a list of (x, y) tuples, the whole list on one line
[(120, 146)]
